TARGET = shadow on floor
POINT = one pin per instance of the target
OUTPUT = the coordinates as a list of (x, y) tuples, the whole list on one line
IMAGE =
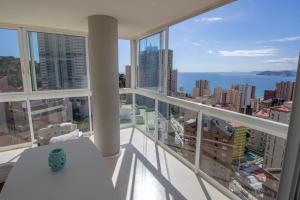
[(134, 166)]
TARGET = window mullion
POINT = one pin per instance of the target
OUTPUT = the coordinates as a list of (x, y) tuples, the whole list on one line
[(24, 61)]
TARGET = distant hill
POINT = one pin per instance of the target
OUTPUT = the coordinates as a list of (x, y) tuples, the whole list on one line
[(278, 73)]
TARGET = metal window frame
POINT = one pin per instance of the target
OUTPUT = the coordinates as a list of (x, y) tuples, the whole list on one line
[(28, 93)]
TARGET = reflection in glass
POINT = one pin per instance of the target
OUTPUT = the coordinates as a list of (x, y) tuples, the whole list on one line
[(150, 70), (57, 61), (10, 66), (54, 117), (241, 159), (177, 128), (126, 109), (145, 114), (14, 125)]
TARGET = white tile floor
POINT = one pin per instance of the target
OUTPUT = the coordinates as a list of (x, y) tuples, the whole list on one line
[(146, 171)]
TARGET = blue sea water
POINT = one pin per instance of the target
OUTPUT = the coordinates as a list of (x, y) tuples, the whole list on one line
[(226, 79)]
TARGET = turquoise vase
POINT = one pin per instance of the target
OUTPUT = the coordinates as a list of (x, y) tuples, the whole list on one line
[(57, 159)]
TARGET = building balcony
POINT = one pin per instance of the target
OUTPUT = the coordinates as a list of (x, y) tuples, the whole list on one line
[(177, 149), (59, 84)]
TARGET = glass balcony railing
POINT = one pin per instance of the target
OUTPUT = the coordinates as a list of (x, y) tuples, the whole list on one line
[(241, 154)]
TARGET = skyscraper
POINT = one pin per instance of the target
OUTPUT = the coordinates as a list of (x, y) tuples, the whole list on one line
[(150, 68), (285, 90), (218, 92), (201, 89), (173, 82), (247, 93), (128, 76), (171, 74), (62, 61)]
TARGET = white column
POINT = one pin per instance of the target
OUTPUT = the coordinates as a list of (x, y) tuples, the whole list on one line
[(104, 74)]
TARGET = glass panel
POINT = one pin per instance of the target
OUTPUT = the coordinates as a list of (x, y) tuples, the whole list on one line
[(55, 117), (126, 109), (177, 128), (57, 61), (10, 65), (124, 64), (14, 124), (145, 114), (246, 161), (150, 69)]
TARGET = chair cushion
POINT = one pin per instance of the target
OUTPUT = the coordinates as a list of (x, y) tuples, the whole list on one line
[(69, 136)]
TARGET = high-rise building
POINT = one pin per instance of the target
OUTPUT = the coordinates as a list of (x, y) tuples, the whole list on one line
[(128, 76), (218, 92), (189, 138), (275, 146), (181, 92), (247, 93), (223, 143), (150, 68), (232, 99), (171, 74), (201, 89), (256, 141), (62, 61), (285, 90), (173, 82)]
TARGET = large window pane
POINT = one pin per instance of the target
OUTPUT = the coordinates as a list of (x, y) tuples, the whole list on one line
[(177, 128), (246, 161), (232, 61), (57, 61), (126, 109), (10, 66), (54, 117), (14, 125), (145, 114), (124, 63), (150, 68)]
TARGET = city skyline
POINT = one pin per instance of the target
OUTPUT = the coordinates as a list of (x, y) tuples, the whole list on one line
[(242, 45)]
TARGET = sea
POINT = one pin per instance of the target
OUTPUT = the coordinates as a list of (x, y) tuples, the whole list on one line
[(187, 80)]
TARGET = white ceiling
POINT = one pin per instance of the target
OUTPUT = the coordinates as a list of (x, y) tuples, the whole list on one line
[(135, 17)]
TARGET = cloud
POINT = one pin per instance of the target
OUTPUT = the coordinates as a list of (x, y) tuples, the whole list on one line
[(196, 44), (285, 39), (249, 53), (282, 61), (209, 19), (210, 51)]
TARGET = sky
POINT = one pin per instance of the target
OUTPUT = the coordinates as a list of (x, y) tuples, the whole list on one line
[(246, 35)]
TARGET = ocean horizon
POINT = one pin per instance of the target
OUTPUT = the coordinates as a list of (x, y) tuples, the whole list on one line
[(187, 80)]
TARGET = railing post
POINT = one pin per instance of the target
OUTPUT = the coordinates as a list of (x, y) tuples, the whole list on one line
[(198, 139), (133, 109), (90, 114), (30, 121), (156, 119)]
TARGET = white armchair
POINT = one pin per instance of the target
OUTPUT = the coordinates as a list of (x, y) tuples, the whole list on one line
[(45, 134)]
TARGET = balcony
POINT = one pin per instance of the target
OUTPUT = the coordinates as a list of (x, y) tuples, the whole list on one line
[(58, 86)]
